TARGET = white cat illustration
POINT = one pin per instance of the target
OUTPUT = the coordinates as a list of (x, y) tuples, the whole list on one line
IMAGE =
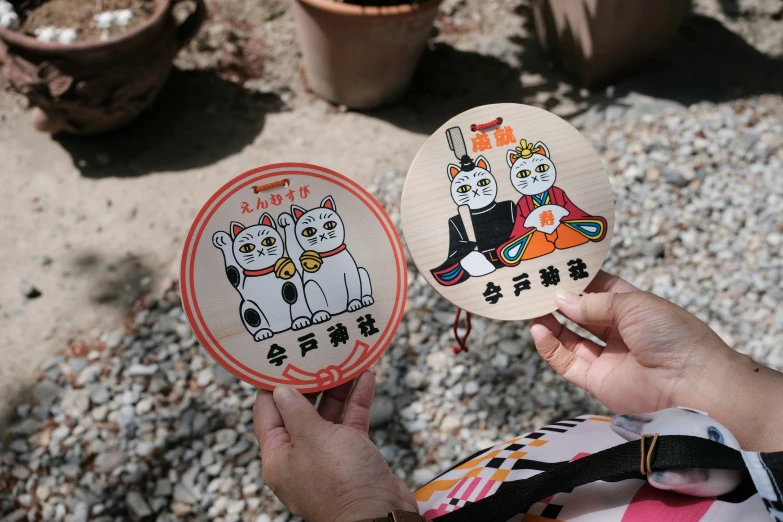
[(316, 242), (546, 219), (271, 288), (474, 186)]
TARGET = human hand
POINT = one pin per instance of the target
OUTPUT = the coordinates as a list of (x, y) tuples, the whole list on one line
[(321, 463), (657, 356)]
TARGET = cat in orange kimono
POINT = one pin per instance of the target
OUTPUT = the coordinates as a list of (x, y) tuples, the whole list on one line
[(545, 218)]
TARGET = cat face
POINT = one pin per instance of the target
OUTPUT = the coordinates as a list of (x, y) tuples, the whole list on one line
[(319, 229), (534, 174), (258, 246), (476, 188)]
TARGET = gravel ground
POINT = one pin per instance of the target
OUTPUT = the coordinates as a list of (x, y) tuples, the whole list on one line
[(141, 423)]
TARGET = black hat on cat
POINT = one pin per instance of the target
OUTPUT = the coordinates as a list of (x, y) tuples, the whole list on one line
[(466, 164), (457, 145)]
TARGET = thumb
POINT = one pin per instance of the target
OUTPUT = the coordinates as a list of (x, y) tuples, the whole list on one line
[(298, 414), (602, 309)]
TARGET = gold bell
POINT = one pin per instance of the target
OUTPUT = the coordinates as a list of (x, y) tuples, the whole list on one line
[(311, 261), (284, 268)]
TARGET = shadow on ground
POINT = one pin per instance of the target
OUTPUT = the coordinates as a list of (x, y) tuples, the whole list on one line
[(707, 62), (197, 120), (114, 282)]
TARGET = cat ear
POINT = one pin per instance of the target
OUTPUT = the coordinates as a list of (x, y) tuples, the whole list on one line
[(267, 220), (236, 228), (540, 145), (482, 163), (328, 202), (452, 170), (297, 212), (511, 157)]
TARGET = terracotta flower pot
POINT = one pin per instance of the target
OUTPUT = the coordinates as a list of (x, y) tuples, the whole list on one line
[(597, 40), (362, 57), (93, 87)]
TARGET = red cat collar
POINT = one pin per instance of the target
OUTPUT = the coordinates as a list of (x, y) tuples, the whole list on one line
[(265, 271), (333, 252)]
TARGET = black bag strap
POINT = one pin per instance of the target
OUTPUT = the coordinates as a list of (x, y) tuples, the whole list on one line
[(612, 464)]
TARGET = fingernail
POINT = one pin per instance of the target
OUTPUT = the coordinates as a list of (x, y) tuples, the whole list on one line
[(538, 329), (567, 297), (283, 395)]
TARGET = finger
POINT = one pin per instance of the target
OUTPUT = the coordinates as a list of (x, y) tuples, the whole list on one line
[(299, 416), (589, 309), (561, 359), (312, 397), (333, 402), (581, 347), (606, 282), (357, 411), (268, 424)]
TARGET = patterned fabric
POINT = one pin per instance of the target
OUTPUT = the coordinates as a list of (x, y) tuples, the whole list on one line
[(485, 473), (541, 199), (767, 474), (519, 245)]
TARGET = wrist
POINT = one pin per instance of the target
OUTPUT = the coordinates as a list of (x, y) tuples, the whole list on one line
[(367, 507), (738, 392), (704, 377)]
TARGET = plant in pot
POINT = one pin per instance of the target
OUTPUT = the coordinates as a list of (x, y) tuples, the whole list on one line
[(362, 53), (92, 66), (597, 40)]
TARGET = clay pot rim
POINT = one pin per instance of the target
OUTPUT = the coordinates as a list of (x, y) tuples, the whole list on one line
[(340, 8), (20, 39)]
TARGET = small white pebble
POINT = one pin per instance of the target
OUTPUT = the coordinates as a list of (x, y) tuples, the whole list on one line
[(9, 20), (67, 36), (123, 17), (104, 20), (46, 34)]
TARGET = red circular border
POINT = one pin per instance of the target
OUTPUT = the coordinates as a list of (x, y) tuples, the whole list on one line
[(187, 286)]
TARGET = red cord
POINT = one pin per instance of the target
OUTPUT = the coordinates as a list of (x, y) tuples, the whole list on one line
[(463, 347), (481, 126), (267, 186)]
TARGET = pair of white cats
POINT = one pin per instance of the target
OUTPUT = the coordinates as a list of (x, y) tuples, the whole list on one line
[(317, 280), (531, 174)]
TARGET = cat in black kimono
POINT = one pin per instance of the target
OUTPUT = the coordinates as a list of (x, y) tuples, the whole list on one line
[(473, 185)]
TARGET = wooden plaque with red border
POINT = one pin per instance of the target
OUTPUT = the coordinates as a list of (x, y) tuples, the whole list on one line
[(292, 274)]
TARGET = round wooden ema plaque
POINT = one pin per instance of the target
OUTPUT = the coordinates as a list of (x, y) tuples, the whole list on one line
[(293, 274), (504, 205)]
